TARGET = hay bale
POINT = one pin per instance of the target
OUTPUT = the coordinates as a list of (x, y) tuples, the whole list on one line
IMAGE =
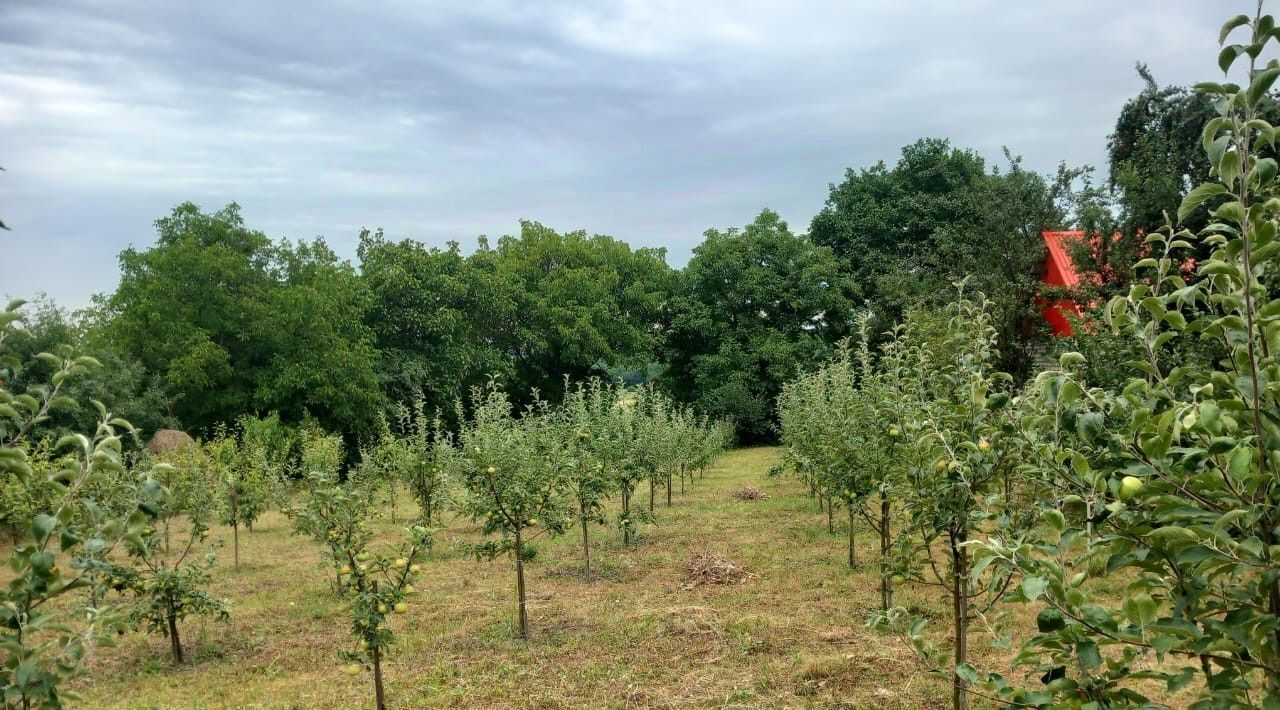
[(168, 441)]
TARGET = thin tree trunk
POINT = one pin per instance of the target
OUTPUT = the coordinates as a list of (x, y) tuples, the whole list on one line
[(524, 614), (853, 554), (668, 490), (586, 550), (379, 696), (174, 642), (235, 534), (831, 522), (886, 584), (626, 517), (651, 491), (960, 613)]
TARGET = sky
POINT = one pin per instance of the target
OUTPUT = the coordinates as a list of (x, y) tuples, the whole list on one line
[(648, 120)]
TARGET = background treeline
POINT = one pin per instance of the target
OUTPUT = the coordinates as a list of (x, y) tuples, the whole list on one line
[(217, 319)]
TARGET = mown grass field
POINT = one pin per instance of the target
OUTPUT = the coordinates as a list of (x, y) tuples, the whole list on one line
[(793, 634)]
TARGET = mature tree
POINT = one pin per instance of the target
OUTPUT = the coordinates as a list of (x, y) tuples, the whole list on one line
[(753, 307), (569, 304), (536, 308), (228, 322), (905, 233), (425, 316)]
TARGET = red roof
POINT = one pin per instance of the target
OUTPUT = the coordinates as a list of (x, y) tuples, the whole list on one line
[(1059, 271)]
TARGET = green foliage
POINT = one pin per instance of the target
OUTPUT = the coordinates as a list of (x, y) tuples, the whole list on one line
[(903, 234), (534, 309), (516, 480), (420, 456), (46, 634), (165, 573), (322, 452), (228, 322), (753, 308), (841, 430), (1168, 484), (596, 442), (336, 515)]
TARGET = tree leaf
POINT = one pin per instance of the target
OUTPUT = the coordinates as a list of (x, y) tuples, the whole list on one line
[(1198, 196), (1231, 25)]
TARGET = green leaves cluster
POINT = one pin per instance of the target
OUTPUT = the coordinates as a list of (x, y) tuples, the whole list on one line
[(1167, 485), (62, 537)]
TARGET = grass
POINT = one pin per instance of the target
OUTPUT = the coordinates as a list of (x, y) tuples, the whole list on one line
[(792, 634)]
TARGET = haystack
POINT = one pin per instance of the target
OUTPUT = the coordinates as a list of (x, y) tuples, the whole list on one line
[(168, 441)]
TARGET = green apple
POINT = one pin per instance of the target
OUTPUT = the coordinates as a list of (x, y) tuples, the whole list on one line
[(1130, 486)]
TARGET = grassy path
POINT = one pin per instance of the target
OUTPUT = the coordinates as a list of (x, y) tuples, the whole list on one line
[(791, 635)]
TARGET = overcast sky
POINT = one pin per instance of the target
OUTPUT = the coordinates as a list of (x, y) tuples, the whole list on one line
[(651, 121)]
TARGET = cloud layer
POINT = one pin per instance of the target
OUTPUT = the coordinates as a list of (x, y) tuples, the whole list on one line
[(651, 121)]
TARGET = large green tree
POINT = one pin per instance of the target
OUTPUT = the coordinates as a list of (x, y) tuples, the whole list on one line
[(754, 307), (568, 304), (229, 322), (425, 315), (905, 233)]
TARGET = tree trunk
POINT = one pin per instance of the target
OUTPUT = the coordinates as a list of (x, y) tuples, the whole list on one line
[(960, 614), (626, 517), (586, 550), (174, 642), (235, 535), (831, 523), (886, 584), (378, 694), (651, 490), (668, 490), (853, 553), (524, 614)]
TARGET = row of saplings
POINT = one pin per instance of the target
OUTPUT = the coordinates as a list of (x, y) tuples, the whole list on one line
[(1144, 520), (105, 543)]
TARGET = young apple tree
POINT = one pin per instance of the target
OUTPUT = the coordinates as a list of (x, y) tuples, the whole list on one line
[(48, 635), (170, 584), (1163, 573), (517, 486), (588, 428), (959, 415)]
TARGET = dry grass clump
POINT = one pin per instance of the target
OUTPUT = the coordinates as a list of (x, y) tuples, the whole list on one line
[(713, 568), (749, 493), (168, 441)]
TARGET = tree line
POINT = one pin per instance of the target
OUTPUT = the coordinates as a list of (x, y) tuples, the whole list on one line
[(217, 319)]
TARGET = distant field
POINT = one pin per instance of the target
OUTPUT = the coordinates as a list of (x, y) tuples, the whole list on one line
[(791, 635)]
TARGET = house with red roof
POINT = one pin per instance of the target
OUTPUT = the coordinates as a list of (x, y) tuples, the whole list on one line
[(1061, 273)]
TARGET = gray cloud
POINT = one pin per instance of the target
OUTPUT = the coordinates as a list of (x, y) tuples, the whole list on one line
[(651, 121)]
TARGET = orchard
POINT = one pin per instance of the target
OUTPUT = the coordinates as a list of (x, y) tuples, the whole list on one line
[(845, 468)]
